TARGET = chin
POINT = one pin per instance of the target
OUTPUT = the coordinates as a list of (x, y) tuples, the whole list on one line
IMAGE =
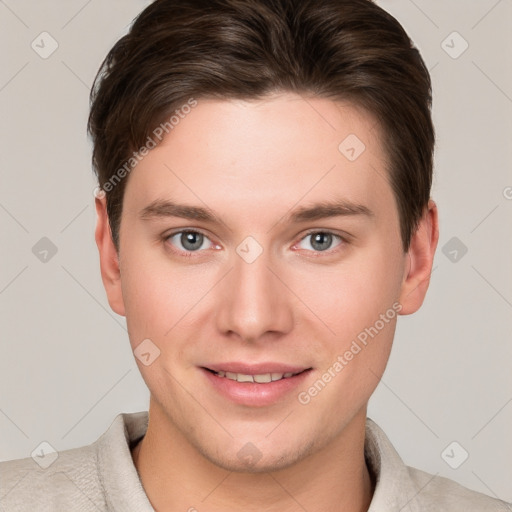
[(249, 459)]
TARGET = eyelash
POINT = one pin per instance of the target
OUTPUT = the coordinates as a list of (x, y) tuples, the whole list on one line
[(190, 254)]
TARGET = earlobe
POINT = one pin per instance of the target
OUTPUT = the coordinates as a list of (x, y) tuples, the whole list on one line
[(109, 260), (420, 259)]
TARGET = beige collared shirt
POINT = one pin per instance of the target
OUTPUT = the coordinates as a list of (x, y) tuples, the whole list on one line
[(102, 477)]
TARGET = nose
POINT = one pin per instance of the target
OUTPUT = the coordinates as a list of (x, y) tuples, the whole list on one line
[(253, 303)]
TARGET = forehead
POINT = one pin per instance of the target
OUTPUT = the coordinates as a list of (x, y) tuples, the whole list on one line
[(278, 150)]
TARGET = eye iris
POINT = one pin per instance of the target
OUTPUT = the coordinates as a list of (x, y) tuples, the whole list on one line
[(191, 241), (321, 241)]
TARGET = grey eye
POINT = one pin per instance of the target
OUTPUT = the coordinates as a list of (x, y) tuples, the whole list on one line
[(189, 240), (321, 240)]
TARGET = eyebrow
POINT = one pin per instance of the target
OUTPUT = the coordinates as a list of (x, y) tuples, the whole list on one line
[(164, 208)]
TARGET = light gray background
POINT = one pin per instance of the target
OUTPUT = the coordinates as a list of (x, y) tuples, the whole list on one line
[(66, 368)]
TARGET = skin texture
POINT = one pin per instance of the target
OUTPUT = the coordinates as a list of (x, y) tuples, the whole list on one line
[(252, 163)]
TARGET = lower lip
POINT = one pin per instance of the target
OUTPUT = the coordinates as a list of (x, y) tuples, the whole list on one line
[(252, 393)]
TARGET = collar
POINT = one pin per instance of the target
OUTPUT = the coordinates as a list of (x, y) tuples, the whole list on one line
[(394, 488), (117, 472)]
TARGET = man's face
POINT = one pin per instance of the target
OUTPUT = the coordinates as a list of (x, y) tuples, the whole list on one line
[(256, 291)]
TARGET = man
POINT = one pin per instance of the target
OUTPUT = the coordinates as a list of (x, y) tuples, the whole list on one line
[(264, 216)]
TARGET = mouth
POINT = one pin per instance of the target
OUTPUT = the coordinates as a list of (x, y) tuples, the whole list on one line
[(259, 378), (255, 385)]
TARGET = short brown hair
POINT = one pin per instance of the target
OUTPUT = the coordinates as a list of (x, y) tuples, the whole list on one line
[(245, 49)]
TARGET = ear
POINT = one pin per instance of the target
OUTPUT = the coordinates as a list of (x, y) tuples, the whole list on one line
[(109, 260), (420, 259)]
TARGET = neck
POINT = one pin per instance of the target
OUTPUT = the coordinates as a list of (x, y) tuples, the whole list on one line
[(175, 476)]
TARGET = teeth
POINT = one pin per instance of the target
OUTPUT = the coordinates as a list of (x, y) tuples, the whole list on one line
[(263, 378), (240, 377)]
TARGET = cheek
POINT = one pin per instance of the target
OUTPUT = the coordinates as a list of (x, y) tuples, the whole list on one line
[(160, 300), (353, 361), (159, 296), (363, 314), (351, 296)]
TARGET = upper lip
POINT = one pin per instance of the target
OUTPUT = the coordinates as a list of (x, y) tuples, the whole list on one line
[(255, 369)]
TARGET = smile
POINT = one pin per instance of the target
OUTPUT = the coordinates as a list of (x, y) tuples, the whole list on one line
[(257, 385), (262, 378)]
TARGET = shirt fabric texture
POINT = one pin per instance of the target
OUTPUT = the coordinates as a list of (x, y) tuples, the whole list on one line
[(102, 477)]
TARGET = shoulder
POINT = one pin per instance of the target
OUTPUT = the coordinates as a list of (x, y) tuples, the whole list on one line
[(442, 494), (70, 482), (407, 489), (100, 476)]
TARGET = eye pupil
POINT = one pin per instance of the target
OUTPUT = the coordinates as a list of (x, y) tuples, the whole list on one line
[(321, 241), (191, 240)]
